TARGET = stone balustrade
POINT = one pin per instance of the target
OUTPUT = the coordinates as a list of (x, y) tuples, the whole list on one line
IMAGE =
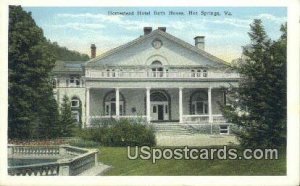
[(47, 169), (33, 150), (81, 160)]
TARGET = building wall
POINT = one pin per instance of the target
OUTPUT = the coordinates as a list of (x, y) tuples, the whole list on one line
[(217, 97), (71, 92)]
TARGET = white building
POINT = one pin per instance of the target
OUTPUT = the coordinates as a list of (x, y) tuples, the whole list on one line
[(157, 77)]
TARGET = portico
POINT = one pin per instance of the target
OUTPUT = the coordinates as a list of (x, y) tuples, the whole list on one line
[(155, 104)]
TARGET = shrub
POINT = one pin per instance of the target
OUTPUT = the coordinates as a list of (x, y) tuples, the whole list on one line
[(119, 133)]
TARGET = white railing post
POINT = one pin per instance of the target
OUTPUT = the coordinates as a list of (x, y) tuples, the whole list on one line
[(148, 104), (209, 105), (180, 105)]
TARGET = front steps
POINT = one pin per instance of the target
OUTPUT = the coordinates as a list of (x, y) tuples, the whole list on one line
[(169, 128)]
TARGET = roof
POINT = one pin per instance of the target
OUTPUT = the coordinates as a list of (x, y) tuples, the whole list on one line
[(68, 66), (163, 34)]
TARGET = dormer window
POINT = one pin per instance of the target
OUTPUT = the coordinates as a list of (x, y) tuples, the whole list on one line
[(74, 81), (157, 69)]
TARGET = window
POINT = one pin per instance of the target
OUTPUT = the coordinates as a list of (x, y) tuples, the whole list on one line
[(224, 129), (82, 82), (113, 74), (192, 73), (54, 83), (110, 73), (199, 107), (110, 104), (198, 73), (154, 109), (75, 102), (157, 69), (166, 109), (75, 115), (204, 73), (199, 103), (121, 109), (74, 81), (120, 72), (107, 111)]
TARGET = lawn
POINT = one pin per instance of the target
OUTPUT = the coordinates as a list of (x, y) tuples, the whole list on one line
[(121, 165)]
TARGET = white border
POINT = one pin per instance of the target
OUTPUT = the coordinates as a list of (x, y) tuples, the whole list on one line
[(292, 177)]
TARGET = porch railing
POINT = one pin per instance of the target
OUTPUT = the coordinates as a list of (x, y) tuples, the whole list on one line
[(157, 74), (217, 118), (114, 116), (195, 118)]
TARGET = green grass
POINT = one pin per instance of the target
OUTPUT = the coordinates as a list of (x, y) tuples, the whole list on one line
[(121, 165)]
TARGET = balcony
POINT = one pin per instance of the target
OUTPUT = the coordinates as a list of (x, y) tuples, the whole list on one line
[(166, 74)]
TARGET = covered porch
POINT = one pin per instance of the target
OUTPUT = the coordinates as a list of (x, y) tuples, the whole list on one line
[(156, 105)]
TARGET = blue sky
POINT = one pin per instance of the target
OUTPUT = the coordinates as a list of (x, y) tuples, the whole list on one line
[(76, 28)]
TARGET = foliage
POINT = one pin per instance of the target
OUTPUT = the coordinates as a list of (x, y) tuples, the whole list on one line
[(84, 143), (258, 105), (119, 133), (67, 123), (62, 53), (32, 111)]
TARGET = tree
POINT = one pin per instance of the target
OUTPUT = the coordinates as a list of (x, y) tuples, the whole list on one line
[(62, 53), (32, 111), (258, 105), (67, 122)]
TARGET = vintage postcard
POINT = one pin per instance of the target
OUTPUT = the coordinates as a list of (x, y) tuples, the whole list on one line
[(188, 94)]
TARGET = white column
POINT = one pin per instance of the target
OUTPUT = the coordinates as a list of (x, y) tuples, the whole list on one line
[(117, 103), (180, 105), (87, 107), (210, 119), (148, 104)]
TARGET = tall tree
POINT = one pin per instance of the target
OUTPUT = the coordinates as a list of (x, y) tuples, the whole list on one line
[(31, 102), (258, 105), (67, 122)]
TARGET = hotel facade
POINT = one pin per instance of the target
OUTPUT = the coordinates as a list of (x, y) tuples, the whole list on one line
[(156, 77)]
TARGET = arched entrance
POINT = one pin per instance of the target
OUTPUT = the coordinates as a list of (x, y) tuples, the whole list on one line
[(110, 104), (159, 106)]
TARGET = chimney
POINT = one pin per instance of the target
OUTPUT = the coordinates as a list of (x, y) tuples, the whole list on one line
[(162, 29), (147, 30), (199, 42), (93, 50)]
